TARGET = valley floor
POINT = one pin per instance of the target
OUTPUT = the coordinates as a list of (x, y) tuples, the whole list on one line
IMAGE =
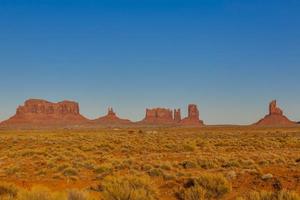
[(161, 163)]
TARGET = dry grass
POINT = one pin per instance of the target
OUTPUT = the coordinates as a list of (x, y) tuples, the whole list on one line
[(128, 187), (222, 162)]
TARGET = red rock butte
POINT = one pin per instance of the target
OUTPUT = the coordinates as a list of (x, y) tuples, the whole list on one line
[(158, 116), (275, 117), (43, 113), (111, 119), (166, 116), (193, 118)]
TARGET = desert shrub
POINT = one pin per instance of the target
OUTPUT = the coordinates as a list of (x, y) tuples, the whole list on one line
[(262, 195), (62, 167), (168, 177), (216, 185), (77, 195), (36, 193), (11, 171), (192, 193), (70, 172), (188, 164), (165, 166), (155, 172), (287, 195), (282, 195), (207, 164), (128, 188), (102, 169), (146, 167), (8, 191), (264, 162), (189, 147), (231, 163)]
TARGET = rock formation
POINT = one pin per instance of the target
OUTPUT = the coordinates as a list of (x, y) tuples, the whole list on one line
[(38, 112), (158, 116), (177, 115), (193, 118), (163, 116), (275, 117), (111, 119), (273, 109)]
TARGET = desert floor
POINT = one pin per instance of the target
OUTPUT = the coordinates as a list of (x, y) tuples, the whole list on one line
[(161, 163)]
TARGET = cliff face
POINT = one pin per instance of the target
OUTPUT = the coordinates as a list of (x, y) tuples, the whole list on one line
[(40, 112), (275, 117)]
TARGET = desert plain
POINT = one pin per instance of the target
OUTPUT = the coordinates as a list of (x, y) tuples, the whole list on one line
[(211, 162)]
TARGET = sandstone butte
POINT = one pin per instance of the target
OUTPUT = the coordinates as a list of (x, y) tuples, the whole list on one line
[(275, 117), (193, 118), (37, 112), (111, 119), (164, 116)]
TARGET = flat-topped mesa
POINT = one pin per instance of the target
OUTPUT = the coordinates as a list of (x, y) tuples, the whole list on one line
[(36, 106), (40, 113), (111, 119), (193, 118), (159, 116), (275, 117)]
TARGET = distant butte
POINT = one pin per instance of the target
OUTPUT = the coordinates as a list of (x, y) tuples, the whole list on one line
[(275, 117), (158, 116), (111, 119), (164, 116), (193, 118), (37, 112)]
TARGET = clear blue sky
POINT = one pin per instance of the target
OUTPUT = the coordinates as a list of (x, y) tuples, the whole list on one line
[(231, 57)]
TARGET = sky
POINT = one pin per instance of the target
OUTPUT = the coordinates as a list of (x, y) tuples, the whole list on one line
[(230, 57)]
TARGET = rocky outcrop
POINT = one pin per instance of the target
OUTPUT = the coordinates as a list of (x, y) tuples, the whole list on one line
[(177, 115), (273, 109), (275, 117), (158, 116), (39, 112), (111, 119), (193, 118)]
